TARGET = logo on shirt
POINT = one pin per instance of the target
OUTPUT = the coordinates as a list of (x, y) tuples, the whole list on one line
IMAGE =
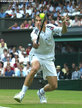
[(50, 27), (36, 31)]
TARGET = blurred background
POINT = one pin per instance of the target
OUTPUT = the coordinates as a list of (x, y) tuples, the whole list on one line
[(17, 22)]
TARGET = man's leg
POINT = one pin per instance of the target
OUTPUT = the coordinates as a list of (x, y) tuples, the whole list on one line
[(52, 83), (28, 81), (30, 76)]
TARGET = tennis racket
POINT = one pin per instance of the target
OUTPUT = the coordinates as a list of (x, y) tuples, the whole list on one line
[(41, 29)]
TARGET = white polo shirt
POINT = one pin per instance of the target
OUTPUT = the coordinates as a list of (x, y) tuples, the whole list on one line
[(47, 44)]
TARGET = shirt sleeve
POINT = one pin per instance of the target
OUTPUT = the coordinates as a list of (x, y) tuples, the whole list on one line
[(34, 34), (55, 29)]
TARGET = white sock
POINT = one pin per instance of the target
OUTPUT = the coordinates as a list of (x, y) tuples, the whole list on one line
[(24, 89), (42, 91)]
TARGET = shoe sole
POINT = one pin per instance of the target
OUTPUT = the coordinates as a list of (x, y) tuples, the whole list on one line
[(43, 102), (18, 100)]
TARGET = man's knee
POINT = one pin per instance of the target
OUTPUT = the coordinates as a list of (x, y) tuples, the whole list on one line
[(54, 86), (52, 80), (34, 70), (35, 67)]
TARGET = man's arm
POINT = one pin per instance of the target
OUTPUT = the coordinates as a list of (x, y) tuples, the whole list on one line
[(64, 27), (34, 38), (11, 27)]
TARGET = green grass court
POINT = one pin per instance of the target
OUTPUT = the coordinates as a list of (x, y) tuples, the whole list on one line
[(56, 99)]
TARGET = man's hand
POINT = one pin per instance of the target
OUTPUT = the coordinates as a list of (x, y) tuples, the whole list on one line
[(64, 18), (35, 45), (64, 27)]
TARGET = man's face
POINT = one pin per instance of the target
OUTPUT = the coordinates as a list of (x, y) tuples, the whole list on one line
[(38, 21)]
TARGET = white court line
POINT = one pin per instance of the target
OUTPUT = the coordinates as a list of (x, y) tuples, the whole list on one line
[(4, 107)]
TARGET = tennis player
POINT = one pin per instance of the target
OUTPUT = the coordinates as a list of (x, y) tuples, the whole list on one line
[(41, 57)]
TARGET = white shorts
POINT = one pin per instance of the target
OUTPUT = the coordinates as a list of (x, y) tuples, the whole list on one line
[(47, 67)]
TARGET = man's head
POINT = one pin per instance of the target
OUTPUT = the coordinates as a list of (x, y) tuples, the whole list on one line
[(15, 25), (1, 10), (38, 21), (58, 68)]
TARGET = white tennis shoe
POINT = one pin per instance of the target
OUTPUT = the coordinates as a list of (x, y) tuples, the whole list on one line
[(18, 97), (41, 97)]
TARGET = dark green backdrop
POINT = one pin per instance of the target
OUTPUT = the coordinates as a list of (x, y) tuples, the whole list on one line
[(17, 82)]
